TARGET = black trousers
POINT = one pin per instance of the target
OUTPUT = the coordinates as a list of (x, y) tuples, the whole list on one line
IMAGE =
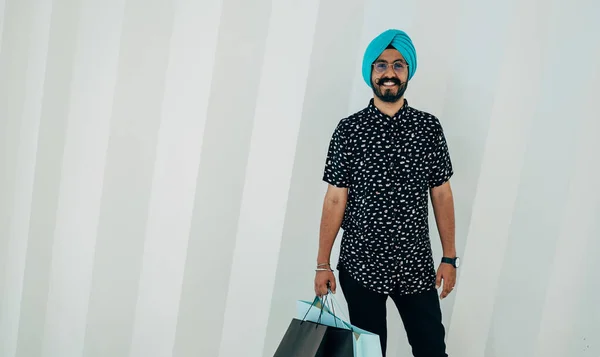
[(421, 315)]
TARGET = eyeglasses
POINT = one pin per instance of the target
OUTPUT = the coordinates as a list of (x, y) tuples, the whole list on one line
[(398, 66)]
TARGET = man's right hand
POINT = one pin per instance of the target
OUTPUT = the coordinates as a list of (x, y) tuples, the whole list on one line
[(321, 280)]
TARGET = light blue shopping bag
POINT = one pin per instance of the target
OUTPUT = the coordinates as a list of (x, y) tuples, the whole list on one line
[(325, 311)]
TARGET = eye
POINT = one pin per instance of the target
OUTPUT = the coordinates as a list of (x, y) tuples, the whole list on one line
[(381, 66), (398, 66)]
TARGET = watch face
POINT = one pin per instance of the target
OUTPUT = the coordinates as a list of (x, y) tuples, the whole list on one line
[(457, 262)]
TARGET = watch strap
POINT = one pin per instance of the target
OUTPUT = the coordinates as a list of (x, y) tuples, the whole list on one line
[(451, 261)]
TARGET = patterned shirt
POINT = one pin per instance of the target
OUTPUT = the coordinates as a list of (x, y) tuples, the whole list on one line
[(388, 165)]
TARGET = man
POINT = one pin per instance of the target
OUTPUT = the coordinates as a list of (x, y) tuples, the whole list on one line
[(382, 165)]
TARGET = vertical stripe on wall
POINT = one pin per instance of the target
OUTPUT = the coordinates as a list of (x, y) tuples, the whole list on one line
[(12, 93), (91, 103), (543, 190), (127, 181), (46, 184), (568, 282), (584, 336), (571, 276), (174, 182), (270, 163), (21, 105), (2, 20), (502, 164), (224, 153), (208, 17), (478, 48)]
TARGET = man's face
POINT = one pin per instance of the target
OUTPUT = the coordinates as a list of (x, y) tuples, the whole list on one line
[(389, 75)]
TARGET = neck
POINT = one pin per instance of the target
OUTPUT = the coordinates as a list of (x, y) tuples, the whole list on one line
[(389, 109)]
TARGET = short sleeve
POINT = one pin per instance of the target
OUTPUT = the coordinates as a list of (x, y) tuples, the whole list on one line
[(440, 165), (337, 168)]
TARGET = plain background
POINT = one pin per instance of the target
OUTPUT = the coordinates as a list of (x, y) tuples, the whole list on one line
[(161, 162)]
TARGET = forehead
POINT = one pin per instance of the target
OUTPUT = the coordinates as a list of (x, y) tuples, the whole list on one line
[(390, 55)]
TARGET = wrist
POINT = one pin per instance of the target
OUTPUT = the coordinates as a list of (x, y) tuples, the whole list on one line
[(323, 266), (453, 261), (450, 253)]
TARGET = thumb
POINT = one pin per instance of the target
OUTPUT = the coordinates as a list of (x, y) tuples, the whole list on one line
[(438, 279)]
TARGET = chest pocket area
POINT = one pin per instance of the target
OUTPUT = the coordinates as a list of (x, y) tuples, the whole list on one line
[(412, 164)]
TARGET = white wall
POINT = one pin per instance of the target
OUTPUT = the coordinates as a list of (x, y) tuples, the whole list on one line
[(161, 160)]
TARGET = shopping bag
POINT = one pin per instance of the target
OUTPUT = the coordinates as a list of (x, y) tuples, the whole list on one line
[(338, 343), (312, 339), (302, 339), (365, 343)]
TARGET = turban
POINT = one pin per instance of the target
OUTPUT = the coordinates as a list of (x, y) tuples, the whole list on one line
[(400, 41)]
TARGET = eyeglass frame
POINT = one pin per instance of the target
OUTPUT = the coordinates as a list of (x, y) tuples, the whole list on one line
[(387, 66)]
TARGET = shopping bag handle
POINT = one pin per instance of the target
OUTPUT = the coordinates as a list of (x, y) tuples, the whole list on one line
[(323, 303), (335, 302), (331, 309)]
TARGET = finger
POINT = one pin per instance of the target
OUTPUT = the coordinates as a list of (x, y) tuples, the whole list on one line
[(333, 285), (319, 289), (452, 285), (449, 284), (446, 292), (443, 284), (438, 280), (447, 288)]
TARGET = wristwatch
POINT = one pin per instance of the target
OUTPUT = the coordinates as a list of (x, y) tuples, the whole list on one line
[(455, 262)]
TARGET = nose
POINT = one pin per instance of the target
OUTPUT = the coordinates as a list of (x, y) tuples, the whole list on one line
[(390, 69)]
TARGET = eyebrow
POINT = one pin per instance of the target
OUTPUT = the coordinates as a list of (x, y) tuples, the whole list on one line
[(394, 61)]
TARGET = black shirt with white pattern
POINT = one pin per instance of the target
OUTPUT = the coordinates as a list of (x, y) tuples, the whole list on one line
[(388, 165)]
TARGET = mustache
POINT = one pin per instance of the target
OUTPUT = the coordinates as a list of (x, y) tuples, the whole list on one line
[(394, 80)]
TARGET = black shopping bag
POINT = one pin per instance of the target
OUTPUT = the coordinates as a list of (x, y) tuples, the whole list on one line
[(302, 339), (310, 339), (338, 343)]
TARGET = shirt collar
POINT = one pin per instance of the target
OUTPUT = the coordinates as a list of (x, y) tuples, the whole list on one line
[(372, 109)]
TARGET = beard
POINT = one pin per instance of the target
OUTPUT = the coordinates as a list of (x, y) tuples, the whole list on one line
[(387, 94)]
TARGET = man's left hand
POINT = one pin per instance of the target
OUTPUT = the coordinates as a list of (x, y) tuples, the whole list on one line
[(447, 274)]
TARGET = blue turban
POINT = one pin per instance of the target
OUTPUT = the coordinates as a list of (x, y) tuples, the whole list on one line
[(400, 41)]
